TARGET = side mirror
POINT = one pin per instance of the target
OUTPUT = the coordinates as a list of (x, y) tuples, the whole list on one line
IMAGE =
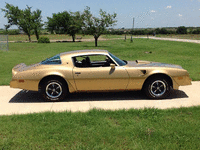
[(125, 61), (112, 66)]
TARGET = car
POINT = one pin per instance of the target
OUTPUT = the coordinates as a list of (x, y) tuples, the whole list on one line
[(97, 70)]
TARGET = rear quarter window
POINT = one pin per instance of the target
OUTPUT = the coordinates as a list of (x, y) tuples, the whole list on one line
[(53, 60)]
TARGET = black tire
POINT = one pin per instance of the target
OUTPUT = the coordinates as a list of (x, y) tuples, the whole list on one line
[(157, 88), (54, 90)]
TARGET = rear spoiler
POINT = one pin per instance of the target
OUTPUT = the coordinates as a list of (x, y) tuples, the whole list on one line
[(18, 68)]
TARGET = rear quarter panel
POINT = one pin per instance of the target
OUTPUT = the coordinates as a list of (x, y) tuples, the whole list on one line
[(32, 77)]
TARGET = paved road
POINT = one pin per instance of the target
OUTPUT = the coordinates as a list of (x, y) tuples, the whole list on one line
[(16, 101), (104, 39), (168, 39), (175, 39)]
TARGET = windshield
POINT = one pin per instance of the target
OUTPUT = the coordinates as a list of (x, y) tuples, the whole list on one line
[(53, 60), (119, 61)]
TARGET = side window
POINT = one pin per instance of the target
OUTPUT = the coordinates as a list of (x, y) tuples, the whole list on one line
[(97, 58), (78, 61), (92, 61)]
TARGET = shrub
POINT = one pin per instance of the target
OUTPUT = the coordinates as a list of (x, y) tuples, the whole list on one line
[(163, 31), (139, 32), (197, 31), (43, 40), (181, 30), (157, 30), (10, 32)]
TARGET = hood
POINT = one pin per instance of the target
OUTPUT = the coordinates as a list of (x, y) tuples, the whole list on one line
[(142, 63)]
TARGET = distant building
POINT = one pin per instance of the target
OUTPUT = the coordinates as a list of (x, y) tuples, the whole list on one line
[(21, 31)]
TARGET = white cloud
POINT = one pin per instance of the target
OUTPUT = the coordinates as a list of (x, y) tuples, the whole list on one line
[(180, 15), (169, 7), (153, 11)]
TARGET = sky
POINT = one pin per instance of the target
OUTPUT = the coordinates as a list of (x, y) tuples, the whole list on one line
[(146, 13)]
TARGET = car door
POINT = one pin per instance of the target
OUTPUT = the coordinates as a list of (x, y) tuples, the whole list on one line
[(99, 77)]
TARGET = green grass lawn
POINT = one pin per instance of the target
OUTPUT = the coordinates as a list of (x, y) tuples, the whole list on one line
[(185, 54), (100, 129), (51, 37), (105, 36)]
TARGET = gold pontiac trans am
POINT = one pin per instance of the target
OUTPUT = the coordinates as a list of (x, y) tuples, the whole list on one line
[(97, 70)]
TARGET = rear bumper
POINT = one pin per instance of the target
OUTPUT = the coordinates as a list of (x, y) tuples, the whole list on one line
[(24, 84)]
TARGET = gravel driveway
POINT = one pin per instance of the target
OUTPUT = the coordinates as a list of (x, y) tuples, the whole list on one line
[(16, 101)]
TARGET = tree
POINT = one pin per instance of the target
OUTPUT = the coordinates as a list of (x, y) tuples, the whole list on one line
[(65, 22), (24, 19), (7, 27), (96, 26), (181, 30), (59, 22), (37, 25), (76, 23)]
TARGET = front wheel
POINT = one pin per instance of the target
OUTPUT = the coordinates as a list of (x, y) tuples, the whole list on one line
[(157, 88), (54, 90)]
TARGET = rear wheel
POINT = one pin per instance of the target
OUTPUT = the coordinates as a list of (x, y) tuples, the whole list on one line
[(157, 88), (54, 90)]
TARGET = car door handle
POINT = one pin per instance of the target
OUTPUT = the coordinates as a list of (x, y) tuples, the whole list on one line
[(77, 72)]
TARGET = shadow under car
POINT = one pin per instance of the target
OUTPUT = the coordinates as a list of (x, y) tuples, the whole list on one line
[(35, 97)]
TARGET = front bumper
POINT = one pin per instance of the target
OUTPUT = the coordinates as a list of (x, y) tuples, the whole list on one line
[(181, 81)]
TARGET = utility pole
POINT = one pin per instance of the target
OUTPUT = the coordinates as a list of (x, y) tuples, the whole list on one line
[(132, 30)]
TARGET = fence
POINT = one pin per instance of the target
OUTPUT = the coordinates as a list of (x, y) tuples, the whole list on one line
[(4, 42)]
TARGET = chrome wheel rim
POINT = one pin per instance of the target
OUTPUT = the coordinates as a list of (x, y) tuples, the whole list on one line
[(158, 88), (53, 90)]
